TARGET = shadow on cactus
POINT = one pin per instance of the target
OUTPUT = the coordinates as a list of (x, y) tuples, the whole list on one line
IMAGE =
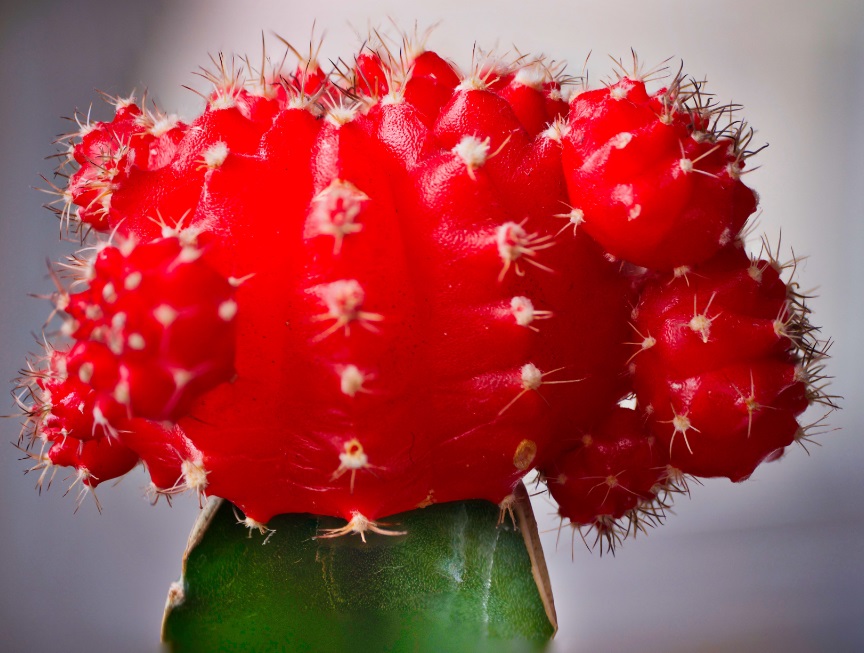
[(359, 293)]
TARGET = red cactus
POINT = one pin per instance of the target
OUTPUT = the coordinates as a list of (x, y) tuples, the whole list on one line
[(355, 294)]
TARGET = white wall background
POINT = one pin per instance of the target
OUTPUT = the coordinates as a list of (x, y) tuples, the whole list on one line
[(774, 564)]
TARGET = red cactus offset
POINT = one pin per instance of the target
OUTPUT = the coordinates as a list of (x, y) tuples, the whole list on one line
[(398, 284), (657, 176), (155, 327), (613, 480), (727, 364)]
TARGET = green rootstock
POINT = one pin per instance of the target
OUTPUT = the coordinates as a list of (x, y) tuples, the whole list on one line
[(458, 581)]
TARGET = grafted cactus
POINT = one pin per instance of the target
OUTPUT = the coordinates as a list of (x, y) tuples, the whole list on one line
[(363, 293)]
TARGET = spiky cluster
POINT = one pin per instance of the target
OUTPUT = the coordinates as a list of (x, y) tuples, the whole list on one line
[(397, 284)]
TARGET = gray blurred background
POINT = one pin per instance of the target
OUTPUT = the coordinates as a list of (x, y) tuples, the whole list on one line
[(773, 564)]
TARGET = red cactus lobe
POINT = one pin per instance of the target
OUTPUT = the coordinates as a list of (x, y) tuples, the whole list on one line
[(655, 186), (155, 327), (109, 152), (72, 424), (720, 365), (615, 469)]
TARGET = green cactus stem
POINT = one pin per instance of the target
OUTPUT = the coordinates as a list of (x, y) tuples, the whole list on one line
[(461, 579)]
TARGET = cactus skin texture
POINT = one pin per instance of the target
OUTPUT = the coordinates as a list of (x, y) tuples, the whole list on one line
[(358, 293)]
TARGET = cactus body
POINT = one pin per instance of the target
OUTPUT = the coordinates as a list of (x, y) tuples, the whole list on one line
[(398, 285)]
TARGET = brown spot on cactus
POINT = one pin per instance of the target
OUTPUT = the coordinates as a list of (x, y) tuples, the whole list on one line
[(525, 454)]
